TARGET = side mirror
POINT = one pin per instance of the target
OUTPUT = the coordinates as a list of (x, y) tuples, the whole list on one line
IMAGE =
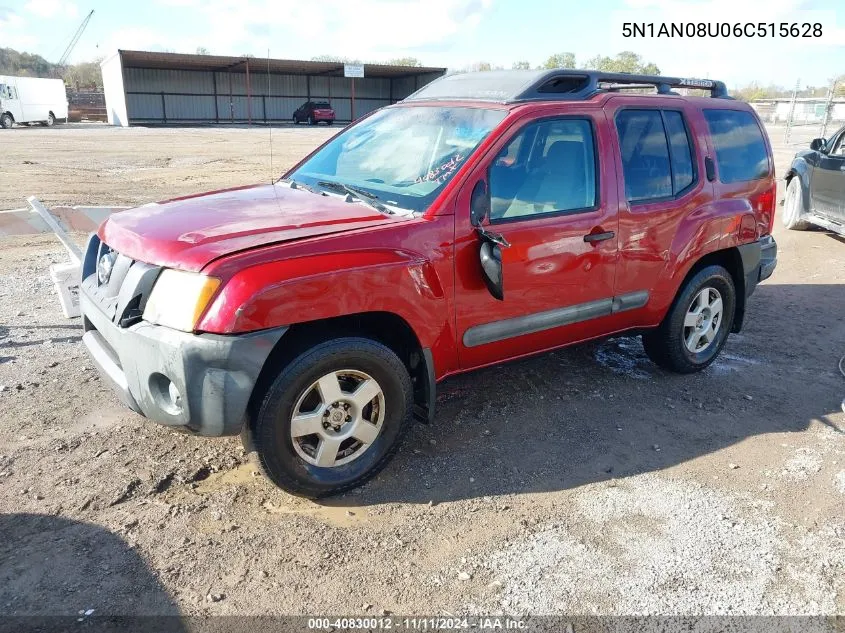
[(491, 265), (479, 204), (817, 144)]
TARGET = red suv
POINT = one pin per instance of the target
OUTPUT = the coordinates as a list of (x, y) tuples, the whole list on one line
[(487, 217), (314, 112)]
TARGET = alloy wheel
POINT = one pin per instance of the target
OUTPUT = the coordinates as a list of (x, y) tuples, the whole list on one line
[(703, 320), (337, 418)]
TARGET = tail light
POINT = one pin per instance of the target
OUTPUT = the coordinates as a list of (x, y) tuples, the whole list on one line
[(764, 207)]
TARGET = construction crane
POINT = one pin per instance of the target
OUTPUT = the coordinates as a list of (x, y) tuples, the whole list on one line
[(75, 39)]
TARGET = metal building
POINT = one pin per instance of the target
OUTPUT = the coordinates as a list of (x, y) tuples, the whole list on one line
[(147, 87)]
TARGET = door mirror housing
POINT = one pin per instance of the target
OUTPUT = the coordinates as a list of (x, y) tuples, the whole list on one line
[(491, 265), (817, 144), (479, 203)]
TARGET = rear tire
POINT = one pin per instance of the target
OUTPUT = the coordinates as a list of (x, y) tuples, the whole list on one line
[(6, 121), (793, 206), (691, 335), (301, 423), (295, 120), (51, 120), (311, 120)]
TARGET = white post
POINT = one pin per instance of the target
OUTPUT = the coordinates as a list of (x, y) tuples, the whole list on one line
[(72, 249)]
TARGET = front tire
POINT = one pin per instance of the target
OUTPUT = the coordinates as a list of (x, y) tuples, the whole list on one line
[(793, 206), (333, 417), (6, 121), (694, 331)]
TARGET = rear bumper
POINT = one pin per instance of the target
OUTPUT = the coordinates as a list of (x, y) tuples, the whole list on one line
[(198, 382), (759, 260)]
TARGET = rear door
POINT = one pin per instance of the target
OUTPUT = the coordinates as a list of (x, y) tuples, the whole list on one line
[(550, 189), (661, 144), (827, 186)]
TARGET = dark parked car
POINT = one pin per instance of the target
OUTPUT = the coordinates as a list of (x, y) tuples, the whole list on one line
[(314, 112), (815, 186)]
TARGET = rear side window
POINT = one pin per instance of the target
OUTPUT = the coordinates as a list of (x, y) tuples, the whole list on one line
[(679, 148), (740, 149), (645, 155)]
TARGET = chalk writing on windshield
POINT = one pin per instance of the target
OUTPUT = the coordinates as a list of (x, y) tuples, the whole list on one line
[(442, 172)]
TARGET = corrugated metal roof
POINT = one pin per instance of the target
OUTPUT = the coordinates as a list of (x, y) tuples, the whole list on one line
[(182, 61)]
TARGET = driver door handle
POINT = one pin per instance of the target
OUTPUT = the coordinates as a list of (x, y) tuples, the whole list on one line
[(599, 237)]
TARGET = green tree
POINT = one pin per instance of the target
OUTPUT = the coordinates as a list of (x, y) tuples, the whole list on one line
[(521, 65), (560, 60), (202, 50), (624, 62), (337, 59), (84, 76), (404, 61), (13, 62)]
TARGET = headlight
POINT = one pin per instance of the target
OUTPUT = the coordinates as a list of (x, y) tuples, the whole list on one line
[(179, 298)]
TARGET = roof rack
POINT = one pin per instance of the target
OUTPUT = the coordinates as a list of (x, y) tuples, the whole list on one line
[(513, 86)]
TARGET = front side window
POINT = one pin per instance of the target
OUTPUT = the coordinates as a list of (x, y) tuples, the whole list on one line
[(838, 147), (403, 155), (548, 167), (740, 149)]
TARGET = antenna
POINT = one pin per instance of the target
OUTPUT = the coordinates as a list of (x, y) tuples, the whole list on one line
[(270, 120)]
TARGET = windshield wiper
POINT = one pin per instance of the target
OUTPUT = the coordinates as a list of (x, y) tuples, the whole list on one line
[(370, 199), (298, 185)]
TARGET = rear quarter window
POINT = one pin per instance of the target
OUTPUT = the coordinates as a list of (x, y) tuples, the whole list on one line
[(740, 149)]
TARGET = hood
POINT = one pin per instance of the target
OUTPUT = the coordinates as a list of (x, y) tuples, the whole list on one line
[(188, 233)]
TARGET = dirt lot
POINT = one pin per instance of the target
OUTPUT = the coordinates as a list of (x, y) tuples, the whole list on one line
[(94, 164), (579, 482)]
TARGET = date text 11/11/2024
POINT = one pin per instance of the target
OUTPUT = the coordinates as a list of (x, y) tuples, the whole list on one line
[(417, 623)]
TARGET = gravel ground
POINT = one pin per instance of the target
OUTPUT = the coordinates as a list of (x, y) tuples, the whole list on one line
[(585, 481)]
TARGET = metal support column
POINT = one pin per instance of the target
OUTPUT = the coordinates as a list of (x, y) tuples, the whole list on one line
[(248, 95), (216, 110)]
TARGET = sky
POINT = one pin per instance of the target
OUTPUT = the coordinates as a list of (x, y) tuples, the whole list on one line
[(448, 33)]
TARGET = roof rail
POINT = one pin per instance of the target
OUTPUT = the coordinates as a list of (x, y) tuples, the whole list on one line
[(513, 86)]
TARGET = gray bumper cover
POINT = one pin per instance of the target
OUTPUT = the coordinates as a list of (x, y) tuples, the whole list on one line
[(214, 374)]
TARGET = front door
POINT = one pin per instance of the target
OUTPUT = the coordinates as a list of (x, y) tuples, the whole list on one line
[(558, 210), (11, 102), (827, 186)]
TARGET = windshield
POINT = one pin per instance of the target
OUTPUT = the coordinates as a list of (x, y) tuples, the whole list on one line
[(404, 156)]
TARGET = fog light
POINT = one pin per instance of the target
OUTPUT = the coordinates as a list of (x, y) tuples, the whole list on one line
[(166, 394)]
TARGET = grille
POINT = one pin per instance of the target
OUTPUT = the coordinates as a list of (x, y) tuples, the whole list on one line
[(121, 292)]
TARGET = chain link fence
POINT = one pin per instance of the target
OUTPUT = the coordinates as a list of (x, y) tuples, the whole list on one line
[(801, 119)]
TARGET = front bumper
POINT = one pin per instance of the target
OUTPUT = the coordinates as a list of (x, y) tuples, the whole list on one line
[(199, 382)]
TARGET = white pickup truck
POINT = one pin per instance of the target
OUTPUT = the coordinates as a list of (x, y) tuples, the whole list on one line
[(31, 100)]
